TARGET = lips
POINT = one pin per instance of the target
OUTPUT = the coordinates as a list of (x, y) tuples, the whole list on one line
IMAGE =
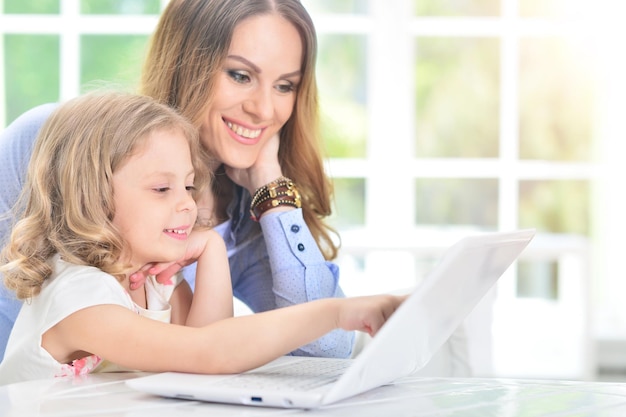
[(180, 234), (244, 132)]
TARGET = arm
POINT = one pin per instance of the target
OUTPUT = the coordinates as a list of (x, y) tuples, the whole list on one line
[(226, 346), (298, 270), (300, 274), (212, 299), (213, 296), (16, 143)]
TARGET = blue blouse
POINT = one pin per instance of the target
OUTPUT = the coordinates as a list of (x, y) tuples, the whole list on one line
[(273, 263)]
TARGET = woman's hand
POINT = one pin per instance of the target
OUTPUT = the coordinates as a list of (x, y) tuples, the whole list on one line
[(265, 169), (164, 271)]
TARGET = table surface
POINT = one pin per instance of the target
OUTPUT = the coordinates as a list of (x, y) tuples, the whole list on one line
[(108, 395)]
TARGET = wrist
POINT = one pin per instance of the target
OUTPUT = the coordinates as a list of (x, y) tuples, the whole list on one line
[(262, 176), (279, 193)]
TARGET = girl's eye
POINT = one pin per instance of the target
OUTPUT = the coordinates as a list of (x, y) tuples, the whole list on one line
[(161, 189), (238, 77), (190, 188)]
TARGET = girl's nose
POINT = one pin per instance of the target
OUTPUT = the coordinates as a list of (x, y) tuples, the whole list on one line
[(186, 203)]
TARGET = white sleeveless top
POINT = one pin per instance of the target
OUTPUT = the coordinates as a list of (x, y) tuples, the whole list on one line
[(71, 288)]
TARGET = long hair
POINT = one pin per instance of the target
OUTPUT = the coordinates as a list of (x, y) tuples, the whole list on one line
[(185, 56), (67, 202)]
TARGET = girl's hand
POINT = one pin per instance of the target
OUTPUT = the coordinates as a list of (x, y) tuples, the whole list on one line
[(367, 314), (164, 271), (265, 169)]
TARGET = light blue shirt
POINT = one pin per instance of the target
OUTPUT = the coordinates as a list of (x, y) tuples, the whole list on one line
[(273, 263)]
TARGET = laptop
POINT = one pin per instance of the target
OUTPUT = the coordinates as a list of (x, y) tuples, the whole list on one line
[(405, 343)]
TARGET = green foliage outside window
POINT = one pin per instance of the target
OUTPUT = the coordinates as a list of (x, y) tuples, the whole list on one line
[(457, 7), (460, 202), (334, 6), (113, 59), (555, 206), (556, 101), (31, 6), (31, 66), (457, 97), (349, 210), (341, 73), (120, 7)]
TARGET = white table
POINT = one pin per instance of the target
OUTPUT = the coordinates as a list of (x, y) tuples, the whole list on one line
[(107, 395)]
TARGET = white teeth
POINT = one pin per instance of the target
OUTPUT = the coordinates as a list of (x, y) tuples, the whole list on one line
[(242, 131), (178, 232)]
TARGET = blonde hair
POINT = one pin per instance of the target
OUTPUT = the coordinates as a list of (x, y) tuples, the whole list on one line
[(185, 56), (67, 201)]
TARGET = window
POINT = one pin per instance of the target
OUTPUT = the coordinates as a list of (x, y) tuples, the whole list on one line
[(440, 118)]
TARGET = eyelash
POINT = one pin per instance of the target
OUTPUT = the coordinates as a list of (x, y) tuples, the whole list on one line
[(165, 189), (241, 78), (238, 77)]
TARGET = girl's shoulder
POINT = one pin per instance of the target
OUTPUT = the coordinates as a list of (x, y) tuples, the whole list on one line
[(82, 286)]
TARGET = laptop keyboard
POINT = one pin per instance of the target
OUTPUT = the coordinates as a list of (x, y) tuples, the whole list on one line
[(305, 374)]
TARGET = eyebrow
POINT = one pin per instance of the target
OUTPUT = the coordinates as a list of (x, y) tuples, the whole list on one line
[(258, 70), (167, 174)]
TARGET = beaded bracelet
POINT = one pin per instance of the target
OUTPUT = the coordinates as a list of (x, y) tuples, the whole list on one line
[(281, 191)]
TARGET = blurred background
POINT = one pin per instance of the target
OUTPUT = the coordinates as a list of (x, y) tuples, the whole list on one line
[(441, 118)]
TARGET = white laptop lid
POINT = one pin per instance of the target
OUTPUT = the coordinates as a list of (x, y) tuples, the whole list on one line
[(406, 343)]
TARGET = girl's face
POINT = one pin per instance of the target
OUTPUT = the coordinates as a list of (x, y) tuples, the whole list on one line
[(256, 90), (152, 193)]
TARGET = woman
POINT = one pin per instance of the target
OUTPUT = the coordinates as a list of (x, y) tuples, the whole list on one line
[(243, 73)]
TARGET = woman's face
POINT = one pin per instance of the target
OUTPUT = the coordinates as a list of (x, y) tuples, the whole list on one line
[(255, 91)]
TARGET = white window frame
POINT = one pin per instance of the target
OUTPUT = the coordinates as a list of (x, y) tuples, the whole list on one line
[(390, 168)]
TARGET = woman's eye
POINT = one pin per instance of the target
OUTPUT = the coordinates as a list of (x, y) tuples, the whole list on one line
[(161, 189), (238, 77), (190, 188), (285, 88)]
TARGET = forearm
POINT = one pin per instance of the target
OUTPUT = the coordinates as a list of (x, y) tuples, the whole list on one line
[(300, 274), (250, 341), (213, 295), (227, 346)]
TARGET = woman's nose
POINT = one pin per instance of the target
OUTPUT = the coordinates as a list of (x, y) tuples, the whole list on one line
[(260, 104)]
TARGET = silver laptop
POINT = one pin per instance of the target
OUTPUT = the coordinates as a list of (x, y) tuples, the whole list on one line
[(407, 341)]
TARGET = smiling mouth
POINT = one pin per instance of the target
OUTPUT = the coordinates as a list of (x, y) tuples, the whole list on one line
[(244, 132), (176, 231)]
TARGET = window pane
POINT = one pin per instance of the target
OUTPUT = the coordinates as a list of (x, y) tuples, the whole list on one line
[(26, 84), (349, 203), (457, 97), (457, 7), (31, 6), (120, 6), (555, 206), (546, 8), (334, 6), (114, 58), (556, 101), (341, 73), (463, 202), (538, 280)]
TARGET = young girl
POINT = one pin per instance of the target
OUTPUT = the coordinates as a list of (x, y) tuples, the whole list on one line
[(110, 188)]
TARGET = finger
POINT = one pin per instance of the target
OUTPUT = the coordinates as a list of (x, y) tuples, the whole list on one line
[(159, 267), (138, 278), (164, 277)]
